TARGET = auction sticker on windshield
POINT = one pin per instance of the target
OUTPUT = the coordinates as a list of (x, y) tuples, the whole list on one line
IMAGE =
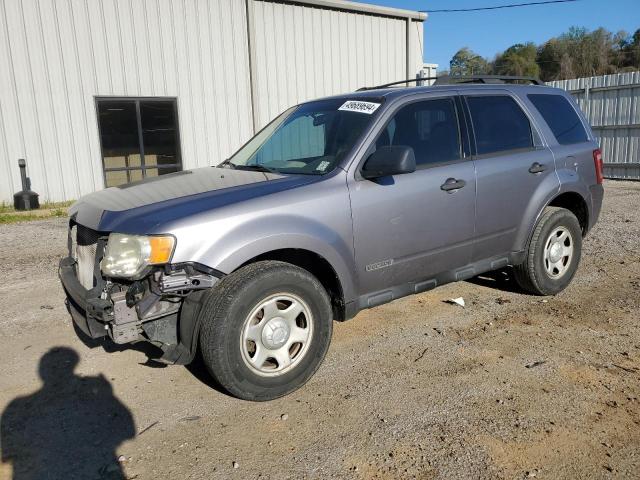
[(358, 106)]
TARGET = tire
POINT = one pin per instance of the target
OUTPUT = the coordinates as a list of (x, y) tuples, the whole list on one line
[(252, 309), (548, 269)]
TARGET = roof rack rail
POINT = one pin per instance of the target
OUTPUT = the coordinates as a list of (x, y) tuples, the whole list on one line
[(452, 79), (409, 80)]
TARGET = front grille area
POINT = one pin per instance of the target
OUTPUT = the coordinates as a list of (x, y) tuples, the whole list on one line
[(84, 250)]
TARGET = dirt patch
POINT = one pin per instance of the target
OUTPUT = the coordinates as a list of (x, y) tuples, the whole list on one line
[(511, 386)]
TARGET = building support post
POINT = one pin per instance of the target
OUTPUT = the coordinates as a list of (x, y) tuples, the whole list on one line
[(253, 81), (408, 50)]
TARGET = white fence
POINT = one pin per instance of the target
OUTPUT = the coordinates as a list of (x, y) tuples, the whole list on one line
[(612, 105)]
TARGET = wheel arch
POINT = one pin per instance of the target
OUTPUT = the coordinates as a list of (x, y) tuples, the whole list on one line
[(576, 204), (316, 265), (571, 200)]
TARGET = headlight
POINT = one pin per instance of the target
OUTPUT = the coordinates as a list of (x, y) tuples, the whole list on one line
[(128, 255)]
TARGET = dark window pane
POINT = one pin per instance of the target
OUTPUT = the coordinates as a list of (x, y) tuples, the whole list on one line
[(561, 118), (120, 139), (159, 132), (119, 134), (499, 124), (429, 127)]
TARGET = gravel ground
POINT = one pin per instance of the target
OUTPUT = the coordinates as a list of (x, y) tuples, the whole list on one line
[(511, 386)]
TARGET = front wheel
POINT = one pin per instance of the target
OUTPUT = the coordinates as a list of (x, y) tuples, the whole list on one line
[(265, 329), (553, 254)]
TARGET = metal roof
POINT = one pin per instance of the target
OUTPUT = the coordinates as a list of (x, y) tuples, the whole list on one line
[(359, 8)]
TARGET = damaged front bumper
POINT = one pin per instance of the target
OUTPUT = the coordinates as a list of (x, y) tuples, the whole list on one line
[(89, 311), (144, 310)]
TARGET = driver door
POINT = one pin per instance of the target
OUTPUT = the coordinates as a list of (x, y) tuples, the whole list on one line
[(409, 228)]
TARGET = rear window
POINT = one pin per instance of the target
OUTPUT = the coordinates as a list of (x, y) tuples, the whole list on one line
[(499, 124), (561, 118)]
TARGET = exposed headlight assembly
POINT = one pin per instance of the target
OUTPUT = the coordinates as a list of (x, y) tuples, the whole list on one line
[(127, 256)]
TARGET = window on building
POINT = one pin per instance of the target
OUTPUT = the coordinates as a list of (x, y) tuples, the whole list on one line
[(499, 124), (429, 127), (139, 139), (561, 118)]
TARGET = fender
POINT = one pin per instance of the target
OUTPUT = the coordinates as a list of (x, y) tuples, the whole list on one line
[(226, 238), (569, 183), (544, 193), (240, 245)]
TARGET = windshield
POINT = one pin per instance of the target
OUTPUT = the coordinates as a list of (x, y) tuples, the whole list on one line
[(310, 139)]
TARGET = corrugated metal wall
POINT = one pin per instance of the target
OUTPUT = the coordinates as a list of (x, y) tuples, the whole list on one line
[(612, 105), (57, 56), (304, 52)]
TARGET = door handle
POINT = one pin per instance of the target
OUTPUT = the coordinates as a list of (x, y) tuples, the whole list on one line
[(452, 184), (537, 168)]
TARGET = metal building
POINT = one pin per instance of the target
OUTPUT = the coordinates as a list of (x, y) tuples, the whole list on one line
[(100, 93)]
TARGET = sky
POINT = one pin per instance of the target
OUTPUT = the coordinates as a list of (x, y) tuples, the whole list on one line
[(490, 32)]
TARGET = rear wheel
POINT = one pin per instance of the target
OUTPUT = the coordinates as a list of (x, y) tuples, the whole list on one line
[(553, 254), (265, 329)]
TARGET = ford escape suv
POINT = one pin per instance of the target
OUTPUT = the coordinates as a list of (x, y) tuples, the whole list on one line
[(337, 205)]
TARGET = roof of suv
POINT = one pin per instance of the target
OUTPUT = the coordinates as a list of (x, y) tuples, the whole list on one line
[(398, 89), (398, 92)]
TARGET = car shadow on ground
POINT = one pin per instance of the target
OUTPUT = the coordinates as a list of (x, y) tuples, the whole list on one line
[(502, 279), (70, 428), (152, 352), (198, 369)]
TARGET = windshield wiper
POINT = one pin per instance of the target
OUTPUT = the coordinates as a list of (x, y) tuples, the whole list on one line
[(228, 163), (255, 168)]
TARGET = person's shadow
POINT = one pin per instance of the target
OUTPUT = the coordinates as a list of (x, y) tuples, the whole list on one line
[(69, 429)]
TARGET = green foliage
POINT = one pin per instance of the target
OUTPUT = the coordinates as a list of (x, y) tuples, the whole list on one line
[(6, 218), (520, 59), (576, 53), (7, 208), (47, 210), (467, 62)]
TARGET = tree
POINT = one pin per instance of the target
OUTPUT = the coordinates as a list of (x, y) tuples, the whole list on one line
[(577, 53), (549, 60), (627, 51), (467, 62), (519, 59)]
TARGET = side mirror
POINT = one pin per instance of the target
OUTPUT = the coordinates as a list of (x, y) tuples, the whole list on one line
[(392, 160)]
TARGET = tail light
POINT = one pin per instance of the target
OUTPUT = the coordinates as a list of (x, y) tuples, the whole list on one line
[(597, 161)]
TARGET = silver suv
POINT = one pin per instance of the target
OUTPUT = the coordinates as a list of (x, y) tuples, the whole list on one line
[(337, 205)]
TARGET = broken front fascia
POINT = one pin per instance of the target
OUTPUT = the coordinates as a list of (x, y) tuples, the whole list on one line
[(156, 297)]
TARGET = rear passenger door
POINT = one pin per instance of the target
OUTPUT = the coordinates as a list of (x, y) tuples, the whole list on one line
[(512, 167)]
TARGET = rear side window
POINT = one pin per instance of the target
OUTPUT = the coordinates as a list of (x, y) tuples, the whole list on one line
[(561, 118), (499, 124), (430, 127)]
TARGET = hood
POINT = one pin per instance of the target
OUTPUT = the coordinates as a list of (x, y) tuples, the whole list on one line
[(143, 207)]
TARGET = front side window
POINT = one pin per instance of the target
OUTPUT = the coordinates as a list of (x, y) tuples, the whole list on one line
[(139, 139), (309, 139), (561, 118), (499, 124), (429, 127)]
